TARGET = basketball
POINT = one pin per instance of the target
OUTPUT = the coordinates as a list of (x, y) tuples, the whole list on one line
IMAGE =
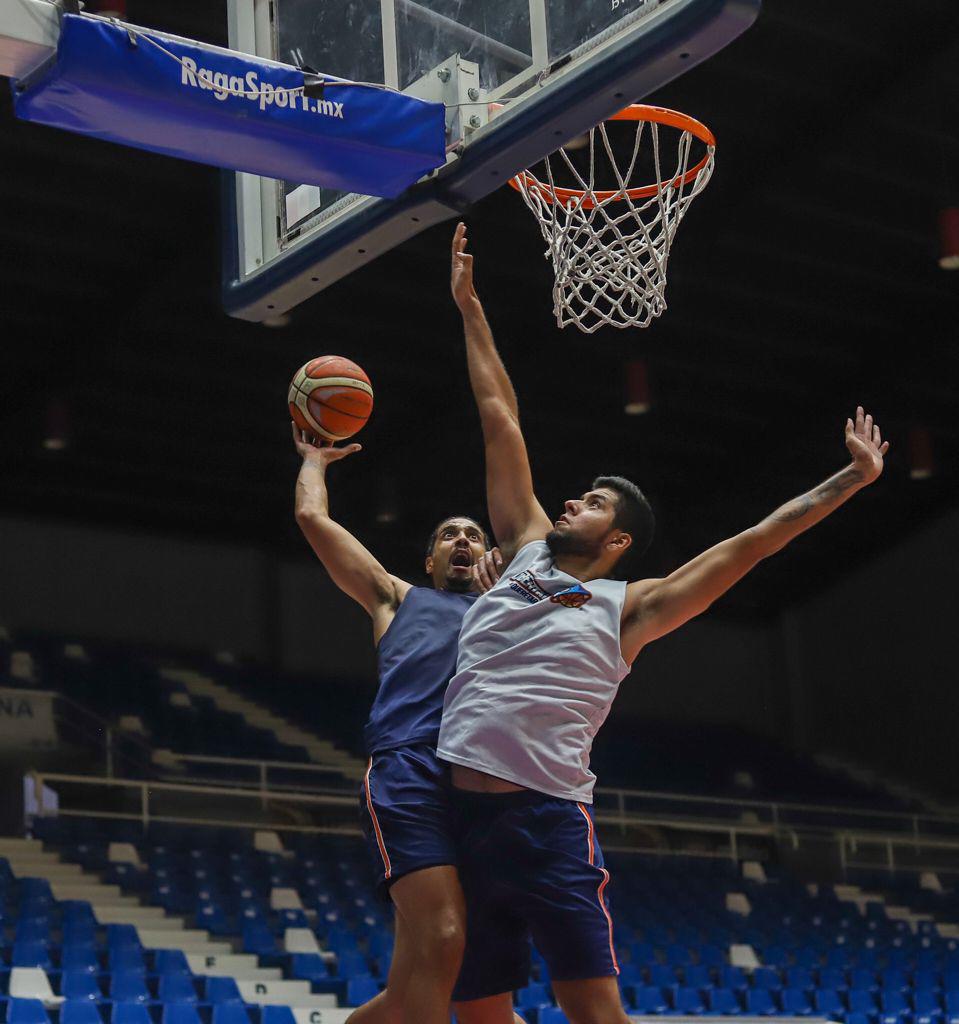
[(331, 397)]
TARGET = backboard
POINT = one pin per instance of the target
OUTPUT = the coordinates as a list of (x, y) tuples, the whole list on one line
[(519, 78)]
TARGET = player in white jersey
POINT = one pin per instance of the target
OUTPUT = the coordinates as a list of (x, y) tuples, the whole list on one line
[(541, 657)]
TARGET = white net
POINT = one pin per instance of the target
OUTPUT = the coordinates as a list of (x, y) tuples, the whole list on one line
[(610, 247)]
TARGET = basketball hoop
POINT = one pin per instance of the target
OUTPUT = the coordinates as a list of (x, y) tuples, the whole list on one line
[(610, 247)]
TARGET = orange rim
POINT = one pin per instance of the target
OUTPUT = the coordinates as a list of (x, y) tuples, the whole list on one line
[(635, 112)]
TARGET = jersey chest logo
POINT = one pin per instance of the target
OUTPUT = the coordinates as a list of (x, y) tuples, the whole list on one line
[(524, 583)]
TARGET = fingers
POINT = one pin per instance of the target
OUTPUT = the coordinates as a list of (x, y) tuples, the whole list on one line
[(884, 447), (459, 239), (496, 563), (335, 454), (860, 419), (484, 579)]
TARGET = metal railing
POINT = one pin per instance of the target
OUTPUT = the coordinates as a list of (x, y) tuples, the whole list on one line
[(651, 804), (284, 810), (266, 776)]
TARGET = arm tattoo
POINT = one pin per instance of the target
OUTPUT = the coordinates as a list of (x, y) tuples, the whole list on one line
[(824, 493), (795, 509), (835, 485)]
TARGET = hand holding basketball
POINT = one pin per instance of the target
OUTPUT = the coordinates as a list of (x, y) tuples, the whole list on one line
[(866, 446), (461, 280), (309, 446), (330, 398)]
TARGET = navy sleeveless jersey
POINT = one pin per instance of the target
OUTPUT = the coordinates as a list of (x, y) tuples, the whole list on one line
[(417, 658)]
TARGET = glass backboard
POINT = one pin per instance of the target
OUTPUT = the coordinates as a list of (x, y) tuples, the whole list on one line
[(519, 77)]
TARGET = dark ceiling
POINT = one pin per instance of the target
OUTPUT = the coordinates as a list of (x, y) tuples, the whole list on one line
[(804, 281)]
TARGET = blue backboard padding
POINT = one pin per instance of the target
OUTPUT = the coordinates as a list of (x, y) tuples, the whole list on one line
[(121, 88)]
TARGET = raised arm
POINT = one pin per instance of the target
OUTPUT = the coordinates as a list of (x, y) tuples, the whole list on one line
[(350, 565), (654, 608), (515, 514)]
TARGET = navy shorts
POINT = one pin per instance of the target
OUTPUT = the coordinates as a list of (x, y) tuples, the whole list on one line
[(405, 812), (531, 868)]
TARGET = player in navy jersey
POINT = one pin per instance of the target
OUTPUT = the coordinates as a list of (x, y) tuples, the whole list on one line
[(404, 798), (541, 658)]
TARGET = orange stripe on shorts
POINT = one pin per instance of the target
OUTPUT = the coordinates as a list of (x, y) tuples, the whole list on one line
[(376, 825), (591, 840)]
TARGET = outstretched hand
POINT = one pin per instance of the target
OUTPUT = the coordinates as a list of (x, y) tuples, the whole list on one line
[(317, 450), (866, 446), (461, 279)]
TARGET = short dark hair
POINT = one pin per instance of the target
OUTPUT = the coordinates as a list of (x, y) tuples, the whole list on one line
[(634, 515), (439, 526)]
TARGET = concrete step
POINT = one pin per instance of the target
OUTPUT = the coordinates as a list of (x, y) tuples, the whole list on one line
[(10, 846), (241, 966), (190, 940), (49, 869), (148, 917)]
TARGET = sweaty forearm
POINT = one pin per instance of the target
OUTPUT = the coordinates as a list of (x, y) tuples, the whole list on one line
[(799, 514), (488, 377), (312, 501)]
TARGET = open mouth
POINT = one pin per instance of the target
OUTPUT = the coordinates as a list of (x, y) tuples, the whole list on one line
[(461, 560)]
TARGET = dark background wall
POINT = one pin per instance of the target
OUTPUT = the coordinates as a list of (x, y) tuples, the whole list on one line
[(879, 662)]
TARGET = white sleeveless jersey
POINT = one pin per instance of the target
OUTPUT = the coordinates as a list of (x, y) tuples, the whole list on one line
[(539, 666)]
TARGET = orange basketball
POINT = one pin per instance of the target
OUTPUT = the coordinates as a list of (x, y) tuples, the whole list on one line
[(331, 397)]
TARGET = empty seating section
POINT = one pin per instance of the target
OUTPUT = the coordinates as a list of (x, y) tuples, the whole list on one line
[(306, 933), (116, 680)]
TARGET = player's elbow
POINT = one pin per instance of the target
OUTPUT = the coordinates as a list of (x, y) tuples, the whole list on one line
[(311, 520)]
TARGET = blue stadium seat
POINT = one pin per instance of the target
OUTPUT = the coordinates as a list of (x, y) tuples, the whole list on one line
[(833, 978), (351, 964), (533, 997), (643, 953), (928, 1009), (723, 1000), (120, 936), (80, 985), (795, 1002), (80, 1012), (230, 1013), (79, 958), (688, 1002), (177, 988), (276, 1015), (926, 979), (662, 975), (31, 954), (361, 990), (26, 1011), (649, 999), (894, 980), (32, 930), (734, 978), (677, 955), (180, 1013), (893, 1007), (828, 1004), (864, 979), (862, 1001), (308, 966), (222, 990), (799, 977), (759, 1002), (171, 961), (698, 976), (128, 987), (766, 977), (952, 1006), (127, 960), (258, 939)]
